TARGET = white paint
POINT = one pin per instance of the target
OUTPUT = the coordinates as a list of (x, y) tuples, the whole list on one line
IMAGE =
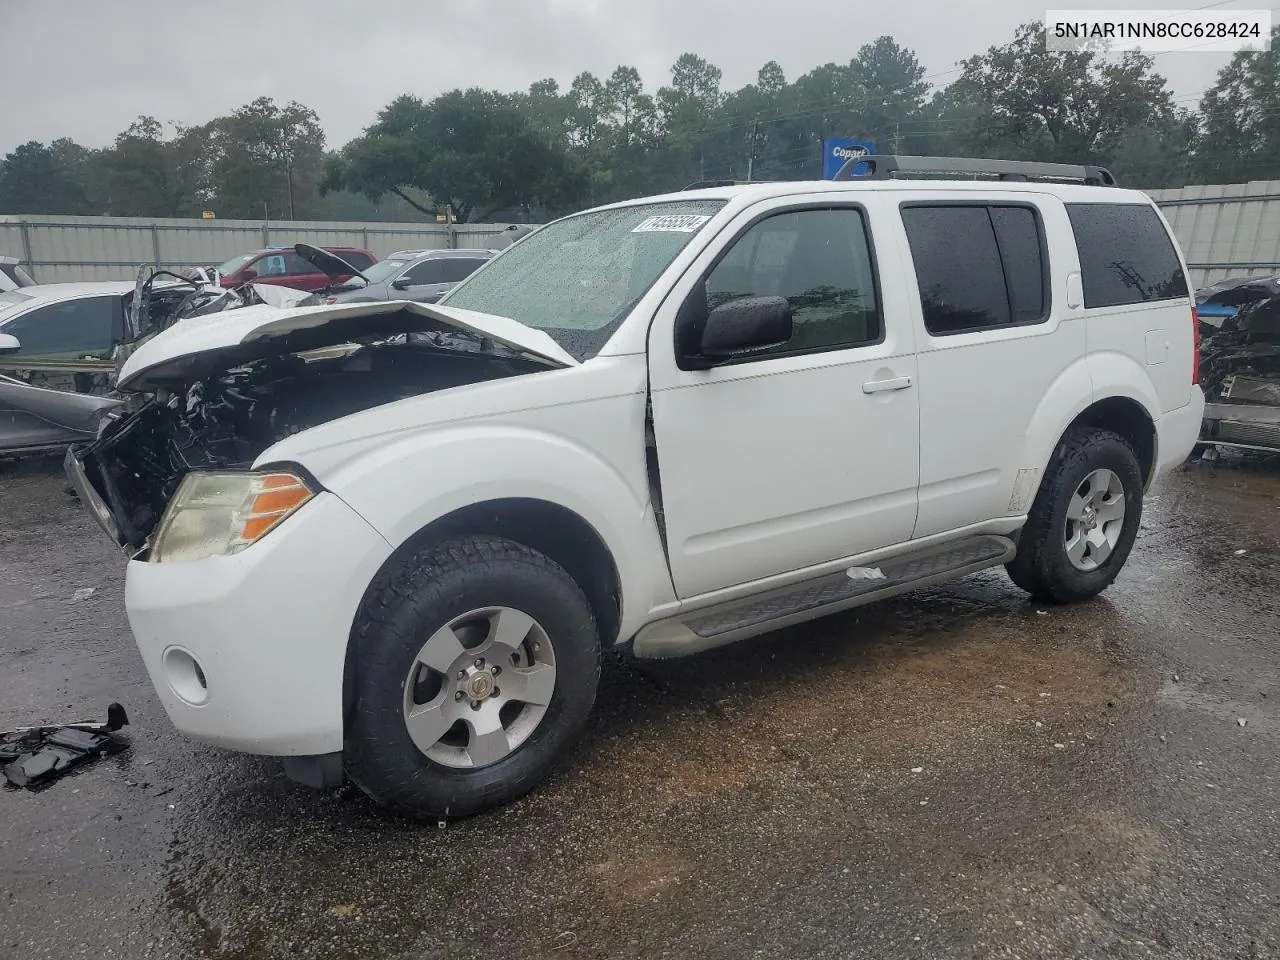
[(771, 470)]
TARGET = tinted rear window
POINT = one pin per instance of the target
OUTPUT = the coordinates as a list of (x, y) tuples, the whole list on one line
[(978, 266), (1125, 255)]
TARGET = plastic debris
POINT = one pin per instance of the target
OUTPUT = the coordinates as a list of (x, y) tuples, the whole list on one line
[(35, 756), (84, 593), (1241, 553), (1241, 721), (917, 769)]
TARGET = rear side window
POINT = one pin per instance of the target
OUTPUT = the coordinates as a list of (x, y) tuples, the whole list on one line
[(977, 266), (1126, 255), (458, 269)]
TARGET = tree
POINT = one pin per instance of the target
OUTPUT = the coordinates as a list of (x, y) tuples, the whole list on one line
[(266, 157), (1241, 119), (1021, 101), (474, 150), (35, 178), (890, 85)]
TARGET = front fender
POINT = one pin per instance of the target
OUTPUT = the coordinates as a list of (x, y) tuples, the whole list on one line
[(401, 488)]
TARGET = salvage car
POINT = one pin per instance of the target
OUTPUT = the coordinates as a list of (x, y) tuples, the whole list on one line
[(36, 420), (421, 275), (393, 540), (283, 266), (12, 276), (1240, 363)]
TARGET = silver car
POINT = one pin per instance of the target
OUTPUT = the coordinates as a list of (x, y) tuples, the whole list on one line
[(421, 275)]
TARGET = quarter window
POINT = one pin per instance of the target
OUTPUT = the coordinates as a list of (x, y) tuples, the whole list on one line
[(820, 261), (1125, 255), (977, 266)]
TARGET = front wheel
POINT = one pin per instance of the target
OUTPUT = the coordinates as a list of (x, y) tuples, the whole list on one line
[(477, 666), (1084, 519)]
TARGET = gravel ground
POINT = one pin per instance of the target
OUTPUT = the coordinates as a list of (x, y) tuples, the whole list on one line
[(953, 773)]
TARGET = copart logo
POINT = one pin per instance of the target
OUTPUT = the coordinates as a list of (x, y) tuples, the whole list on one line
[(848, 153)]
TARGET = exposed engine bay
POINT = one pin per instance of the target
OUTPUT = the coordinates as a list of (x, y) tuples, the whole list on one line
[(225, 421), (1240, 365)]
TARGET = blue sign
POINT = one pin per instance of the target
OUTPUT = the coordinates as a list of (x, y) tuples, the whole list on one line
[(836, 152)]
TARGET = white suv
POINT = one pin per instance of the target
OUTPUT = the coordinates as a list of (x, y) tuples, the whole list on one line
[(394, 539)]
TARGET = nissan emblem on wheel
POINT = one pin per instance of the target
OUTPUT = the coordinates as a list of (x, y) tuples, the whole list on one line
[(392, 540)]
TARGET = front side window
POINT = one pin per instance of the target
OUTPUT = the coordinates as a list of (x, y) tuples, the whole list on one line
[(820, 262), (77, 328), (578, 278), (428, 271), (978, 266), (1126, 255)]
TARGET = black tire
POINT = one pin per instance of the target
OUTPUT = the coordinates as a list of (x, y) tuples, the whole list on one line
[(443, 582), (1041, 566)]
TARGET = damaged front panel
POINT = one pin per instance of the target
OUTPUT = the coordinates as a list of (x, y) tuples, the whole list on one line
[(1240, 366), (243, 398)]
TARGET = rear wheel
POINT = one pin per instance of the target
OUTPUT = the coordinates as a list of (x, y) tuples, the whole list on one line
[(1084, 519), (477, 667)]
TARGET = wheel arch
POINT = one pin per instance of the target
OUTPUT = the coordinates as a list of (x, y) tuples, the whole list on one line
[(550, 528)]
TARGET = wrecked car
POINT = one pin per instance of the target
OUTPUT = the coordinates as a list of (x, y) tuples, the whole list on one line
[(394, 540), (37, 420), (1240, 363)]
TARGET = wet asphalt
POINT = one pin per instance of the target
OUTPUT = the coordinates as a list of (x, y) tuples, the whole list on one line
[(953, 773)]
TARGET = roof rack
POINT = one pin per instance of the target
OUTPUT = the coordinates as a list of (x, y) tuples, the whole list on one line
[(706, 184), (964, 168)]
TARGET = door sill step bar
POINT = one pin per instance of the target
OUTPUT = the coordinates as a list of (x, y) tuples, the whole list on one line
[(715, 626)]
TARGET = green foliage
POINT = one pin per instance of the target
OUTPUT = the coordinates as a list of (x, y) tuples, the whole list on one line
[(550, 149)]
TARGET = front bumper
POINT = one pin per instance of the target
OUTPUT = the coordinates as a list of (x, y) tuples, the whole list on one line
[(247, 651)]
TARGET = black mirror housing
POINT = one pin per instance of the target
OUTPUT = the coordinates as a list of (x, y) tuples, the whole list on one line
[(402, 283), (735, 329)]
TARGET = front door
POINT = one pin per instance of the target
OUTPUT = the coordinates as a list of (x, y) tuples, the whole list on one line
[(801, 453)]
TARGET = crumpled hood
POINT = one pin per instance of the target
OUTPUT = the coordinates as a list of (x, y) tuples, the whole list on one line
[(204, 346)]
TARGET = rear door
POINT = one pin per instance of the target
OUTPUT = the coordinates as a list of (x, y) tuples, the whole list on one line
[(993, 338), (1136, 296)]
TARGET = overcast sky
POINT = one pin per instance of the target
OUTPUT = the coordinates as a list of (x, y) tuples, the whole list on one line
[(86, 68)]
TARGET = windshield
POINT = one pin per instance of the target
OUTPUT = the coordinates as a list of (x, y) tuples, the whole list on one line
[(382, 270), (577, 279), (235, 263)]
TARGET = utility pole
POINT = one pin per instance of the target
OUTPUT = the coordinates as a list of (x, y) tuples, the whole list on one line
[(751, 160), (897, 137)]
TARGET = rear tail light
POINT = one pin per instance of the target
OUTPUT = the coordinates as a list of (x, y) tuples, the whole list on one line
[(1195, 343)]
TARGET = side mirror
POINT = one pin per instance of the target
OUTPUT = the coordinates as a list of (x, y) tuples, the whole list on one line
[(248, 275), (9, 343), (734, 329), (402, 283)]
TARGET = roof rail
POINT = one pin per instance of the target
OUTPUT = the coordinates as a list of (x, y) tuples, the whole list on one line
[(705, 184), (964, 168)]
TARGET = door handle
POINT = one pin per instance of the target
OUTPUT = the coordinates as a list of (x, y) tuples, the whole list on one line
[(881, 386)]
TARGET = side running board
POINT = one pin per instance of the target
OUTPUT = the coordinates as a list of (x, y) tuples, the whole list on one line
[(715, 626)]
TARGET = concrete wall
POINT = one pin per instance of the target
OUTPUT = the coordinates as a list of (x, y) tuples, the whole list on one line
[(58, 249)]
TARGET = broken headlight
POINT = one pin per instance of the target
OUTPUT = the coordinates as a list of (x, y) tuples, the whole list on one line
[(217, 514)]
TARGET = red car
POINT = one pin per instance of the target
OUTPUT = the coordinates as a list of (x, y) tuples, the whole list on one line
[(282, 266)]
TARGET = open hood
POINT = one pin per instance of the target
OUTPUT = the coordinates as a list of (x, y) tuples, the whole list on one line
[(202, 346)]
